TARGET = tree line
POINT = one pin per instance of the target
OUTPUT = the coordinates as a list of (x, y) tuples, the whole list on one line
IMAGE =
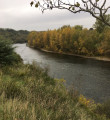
[(74, 40), (7, 38), (13, 35)]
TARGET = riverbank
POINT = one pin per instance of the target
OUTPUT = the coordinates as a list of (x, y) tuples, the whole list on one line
[(28, 93), (86, 75), (103, 58)]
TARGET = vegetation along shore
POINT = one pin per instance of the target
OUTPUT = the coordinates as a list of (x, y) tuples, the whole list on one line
[(75, 40), (28, 93)]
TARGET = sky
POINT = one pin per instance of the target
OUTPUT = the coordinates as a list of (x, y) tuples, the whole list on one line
[(19, 15)]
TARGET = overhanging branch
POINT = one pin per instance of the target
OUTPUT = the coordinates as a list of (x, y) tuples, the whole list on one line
[(93, 7)]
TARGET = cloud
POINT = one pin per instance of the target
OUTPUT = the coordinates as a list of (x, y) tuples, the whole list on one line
[(18, 14)]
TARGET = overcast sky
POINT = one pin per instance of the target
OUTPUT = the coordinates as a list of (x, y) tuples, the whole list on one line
[(18, 14)]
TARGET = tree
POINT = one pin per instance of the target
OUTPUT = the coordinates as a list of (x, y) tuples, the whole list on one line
[(78, 27), (7, 54), (100, 26), (16, 36), (95, 7)]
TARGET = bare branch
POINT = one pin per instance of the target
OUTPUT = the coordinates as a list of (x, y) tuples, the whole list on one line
[(94, 7)]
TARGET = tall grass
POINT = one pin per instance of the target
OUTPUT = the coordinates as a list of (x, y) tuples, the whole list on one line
[(28, 93)]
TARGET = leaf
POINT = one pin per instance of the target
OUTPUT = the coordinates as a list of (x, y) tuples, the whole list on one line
[(36, 5), (77, 4), (51, 2), (69, 7), (31, 3), (97, 0), (73, 8)]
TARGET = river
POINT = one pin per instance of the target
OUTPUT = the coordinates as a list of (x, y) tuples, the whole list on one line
[(90, 77)]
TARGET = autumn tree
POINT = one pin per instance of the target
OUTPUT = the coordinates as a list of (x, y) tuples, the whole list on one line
[(97, 8), (74, 40)]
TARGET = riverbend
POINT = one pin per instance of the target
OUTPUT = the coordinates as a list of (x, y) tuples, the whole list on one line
[(89, 76)]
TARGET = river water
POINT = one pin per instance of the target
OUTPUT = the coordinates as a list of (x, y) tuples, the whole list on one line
[(90, 77)]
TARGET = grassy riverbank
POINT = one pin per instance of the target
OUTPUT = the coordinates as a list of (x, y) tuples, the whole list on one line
[(28, 93)]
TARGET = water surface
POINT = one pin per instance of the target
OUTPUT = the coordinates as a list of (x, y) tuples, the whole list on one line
[(90, 77)]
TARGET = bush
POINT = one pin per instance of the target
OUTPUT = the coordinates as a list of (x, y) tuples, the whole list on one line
[(7, 54)]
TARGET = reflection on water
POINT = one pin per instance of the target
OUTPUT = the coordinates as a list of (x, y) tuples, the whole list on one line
[(90, 77)]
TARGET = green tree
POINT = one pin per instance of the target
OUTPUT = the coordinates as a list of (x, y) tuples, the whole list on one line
[(16, 36), (100, 26), (78, 27), (7, 54)]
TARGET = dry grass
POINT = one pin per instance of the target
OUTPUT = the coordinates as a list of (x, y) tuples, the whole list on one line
[(28, 93)]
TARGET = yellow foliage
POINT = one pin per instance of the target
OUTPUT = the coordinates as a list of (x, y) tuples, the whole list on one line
[(85, 101), (72, 40)]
